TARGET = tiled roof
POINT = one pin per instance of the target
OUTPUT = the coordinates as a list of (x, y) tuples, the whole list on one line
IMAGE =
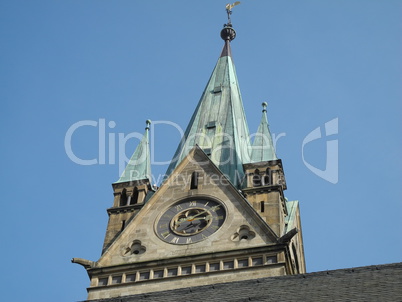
[(369, 283)]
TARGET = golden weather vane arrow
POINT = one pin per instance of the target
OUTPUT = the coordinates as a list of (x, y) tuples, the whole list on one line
[(229, 10)]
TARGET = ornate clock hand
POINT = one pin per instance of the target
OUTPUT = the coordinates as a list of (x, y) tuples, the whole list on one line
[(199, 218), (180, 221), (203, 212), (191, 218)]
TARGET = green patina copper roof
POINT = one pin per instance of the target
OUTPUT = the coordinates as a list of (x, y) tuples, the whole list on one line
[(290, 220), (263, 147), (139, 166), (218, 125)]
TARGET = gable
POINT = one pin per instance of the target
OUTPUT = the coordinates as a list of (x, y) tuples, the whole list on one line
[(142, 239)]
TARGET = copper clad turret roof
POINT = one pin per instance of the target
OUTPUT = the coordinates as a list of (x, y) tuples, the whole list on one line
[(139, 166), (263, 148)]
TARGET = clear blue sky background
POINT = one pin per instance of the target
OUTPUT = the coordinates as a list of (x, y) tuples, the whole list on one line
[(125, 61)]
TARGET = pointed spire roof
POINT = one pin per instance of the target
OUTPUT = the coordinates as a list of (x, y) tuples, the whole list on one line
[(139, 166), (263, 147), (218, 125)]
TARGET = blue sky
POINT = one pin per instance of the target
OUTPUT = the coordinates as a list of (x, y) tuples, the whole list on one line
[(123, 62)]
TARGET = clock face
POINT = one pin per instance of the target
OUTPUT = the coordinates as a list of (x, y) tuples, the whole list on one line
[(190, 221)]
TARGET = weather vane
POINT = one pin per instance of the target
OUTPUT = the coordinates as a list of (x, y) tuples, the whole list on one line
[(229, 10)]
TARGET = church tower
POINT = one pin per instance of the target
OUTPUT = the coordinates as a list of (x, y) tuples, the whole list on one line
[(220, 215)]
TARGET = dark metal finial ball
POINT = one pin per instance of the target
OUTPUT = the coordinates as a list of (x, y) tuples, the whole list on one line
[(228, 33), (148, 122)]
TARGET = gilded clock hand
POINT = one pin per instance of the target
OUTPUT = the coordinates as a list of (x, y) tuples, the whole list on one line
[(191, 218), (203, 212), (199, 218), (180, 221)]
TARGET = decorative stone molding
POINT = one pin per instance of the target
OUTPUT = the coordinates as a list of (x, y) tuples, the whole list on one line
[(243, 233), (134, 248)]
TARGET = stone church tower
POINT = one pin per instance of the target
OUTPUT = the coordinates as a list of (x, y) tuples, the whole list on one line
[(220, 215)]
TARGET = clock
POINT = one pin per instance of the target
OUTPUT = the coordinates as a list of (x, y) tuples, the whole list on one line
[(190, 221)]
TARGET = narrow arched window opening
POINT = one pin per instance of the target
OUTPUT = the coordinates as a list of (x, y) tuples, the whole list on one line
[(123, 198), (262, 206), (194, 181), (267, 177), (256, 178), (134, 197)]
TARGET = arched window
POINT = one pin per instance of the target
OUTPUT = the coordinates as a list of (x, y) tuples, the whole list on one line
[(256, 178), (134, 198), (123, 198), (262, 206), (267, 177), (194, 181)]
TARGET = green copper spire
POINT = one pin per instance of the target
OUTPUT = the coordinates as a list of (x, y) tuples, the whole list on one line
[(139, 166), (263, 147), (218, 125)]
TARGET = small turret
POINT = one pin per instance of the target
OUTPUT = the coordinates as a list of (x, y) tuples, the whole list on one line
[(131, 191), (263, 148)]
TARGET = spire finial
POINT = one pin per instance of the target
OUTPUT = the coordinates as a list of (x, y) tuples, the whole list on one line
[(228, 33), (264, 106), (148, 122), (229, 11)]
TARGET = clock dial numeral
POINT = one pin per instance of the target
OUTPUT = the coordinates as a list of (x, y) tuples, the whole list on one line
[(189, 240), (165, 234), (206, 204), (203, 236), (219, 217), (175, 240), (178, 208), (192, 204)]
